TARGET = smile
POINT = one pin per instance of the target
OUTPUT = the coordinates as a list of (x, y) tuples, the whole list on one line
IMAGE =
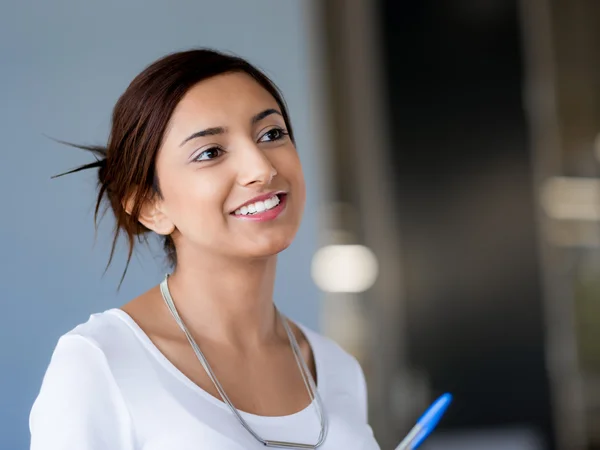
[(262, 210), (258, 207)]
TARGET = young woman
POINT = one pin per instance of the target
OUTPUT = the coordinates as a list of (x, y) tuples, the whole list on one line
[(201, 152)]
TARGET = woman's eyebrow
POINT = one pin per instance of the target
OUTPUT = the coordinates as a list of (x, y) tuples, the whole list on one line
[(207, 132), (221, 130), (261, 115)]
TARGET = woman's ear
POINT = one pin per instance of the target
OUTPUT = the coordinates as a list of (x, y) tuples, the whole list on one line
[(151, 214)]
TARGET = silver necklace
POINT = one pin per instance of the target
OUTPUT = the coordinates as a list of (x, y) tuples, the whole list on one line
[(307, 377)]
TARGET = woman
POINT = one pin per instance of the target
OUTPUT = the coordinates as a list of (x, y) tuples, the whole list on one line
[(202, 153)]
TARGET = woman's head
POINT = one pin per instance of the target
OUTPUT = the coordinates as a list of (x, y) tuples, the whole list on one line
[(198, 140)]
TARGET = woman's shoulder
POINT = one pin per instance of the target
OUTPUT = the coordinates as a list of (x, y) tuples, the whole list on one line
[(103, 330), (331, 355), (107, 340), (79, 392), (83, 359), (337, 369), (86, 345)]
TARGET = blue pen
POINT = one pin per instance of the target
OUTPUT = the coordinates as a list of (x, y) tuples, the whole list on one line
[(426, 423)]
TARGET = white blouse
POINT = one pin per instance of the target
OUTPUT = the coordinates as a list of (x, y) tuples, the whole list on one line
[(109, 387)]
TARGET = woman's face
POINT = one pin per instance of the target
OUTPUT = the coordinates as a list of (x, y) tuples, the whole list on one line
[(229, 174)]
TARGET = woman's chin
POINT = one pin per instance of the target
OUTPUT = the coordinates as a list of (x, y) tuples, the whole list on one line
[(264, 242), (269, 250), (267, 247)]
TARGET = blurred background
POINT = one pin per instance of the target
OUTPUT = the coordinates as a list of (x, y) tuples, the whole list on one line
[(451, 240)]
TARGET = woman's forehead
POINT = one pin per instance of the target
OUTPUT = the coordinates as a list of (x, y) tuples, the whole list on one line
[(222, 98), (227, 101)]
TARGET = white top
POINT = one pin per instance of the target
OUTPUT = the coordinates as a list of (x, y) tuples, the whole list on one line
[(109, 387)]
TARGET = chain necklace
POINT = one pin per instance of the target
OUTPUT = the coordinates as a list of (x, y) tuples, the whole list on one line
[(307, 377)]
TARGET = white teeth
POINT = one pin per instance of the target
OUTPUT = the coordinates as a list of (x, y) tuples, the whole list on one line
[(261, 206), (269, 203)]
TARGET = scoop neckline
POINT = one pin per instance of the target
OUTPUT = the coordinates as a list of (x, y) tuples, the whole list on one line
[(169, 366)]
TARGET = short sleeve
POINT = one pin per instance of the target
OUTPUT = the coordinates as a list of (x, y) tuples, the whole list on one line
[(79, 406)]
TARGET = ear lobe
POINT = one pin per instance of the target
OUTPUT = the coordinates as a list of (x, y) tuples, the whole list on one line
[(155, 220), (151, 215)]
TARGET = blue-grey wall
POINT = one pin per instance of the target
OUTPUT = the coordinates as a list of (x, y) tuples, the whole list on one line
[(63, 65)]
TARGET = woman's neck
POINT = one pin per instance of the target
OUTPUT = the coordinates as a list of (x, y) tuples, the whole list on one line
[(227, 301)]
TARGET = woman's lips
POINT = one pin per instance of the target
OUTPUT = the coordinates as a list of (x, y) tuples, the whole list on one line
[(262, 210)]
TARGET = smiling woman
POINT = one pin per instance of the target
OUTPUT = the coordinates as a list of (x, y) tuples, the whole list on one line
[(202, 153)]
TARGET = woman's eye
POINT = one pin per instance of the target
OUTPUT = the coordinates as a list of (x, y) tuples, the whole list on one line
[(273, 134), (209, 154)]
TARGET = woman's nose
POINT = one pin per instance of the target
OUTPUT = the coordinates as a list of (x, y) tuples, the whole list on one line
[(255, 167)]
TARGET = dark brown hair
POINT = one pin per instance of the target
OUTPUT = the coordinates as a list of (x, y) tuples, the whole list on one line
[(126, 166)]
